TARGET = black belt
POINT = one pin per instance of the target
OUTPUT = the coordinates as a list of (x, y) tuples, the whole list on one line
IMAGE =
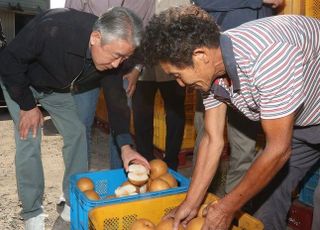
[(65, 90), (52, 90)]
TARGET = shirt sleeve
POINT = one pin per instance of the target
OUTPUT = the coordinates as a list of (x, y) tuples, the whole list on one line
[(279, 80), (97, 7), (209, 101), (228, 5), (74, 4), (124, 139), (15, 61), (150, 9), (117, 106)]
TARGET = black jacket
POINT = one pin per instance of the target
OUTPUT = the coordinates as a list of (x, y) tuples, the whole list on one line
[(48, 53)]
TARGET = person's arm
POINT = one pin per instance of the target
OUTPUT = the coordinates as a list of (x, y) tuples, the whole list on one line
[(15, 60), (208, 158), (228, 5), (150, 9), (273, 3), (132, 78), (118, 110), (278, 134), (119, 118), (96, 7), (74, 4), (14, 63)]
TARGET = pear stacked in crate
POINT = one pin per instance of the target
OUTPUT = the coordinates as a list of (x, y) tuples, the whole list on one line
[(86, 186), (140, 180)]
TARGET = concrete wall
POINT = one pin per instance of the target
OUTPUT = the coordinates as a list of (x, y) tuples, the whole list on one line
[(27, 6), (9, 9), (8, 24)]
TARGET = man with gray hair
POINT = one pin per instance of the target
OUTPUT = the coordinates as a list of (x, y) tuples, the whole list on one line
[(86, 102), (60, 51)]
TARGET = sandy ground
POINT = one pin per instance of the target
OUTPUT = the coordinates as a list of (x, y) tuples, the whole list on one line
[(53, 169)]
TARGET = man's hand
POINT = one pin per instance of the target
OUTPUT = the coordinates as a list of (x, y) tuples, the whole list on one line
[(182, 214), (218, 217), (30, 120), (273, 3), (129, 155), (132, 78)]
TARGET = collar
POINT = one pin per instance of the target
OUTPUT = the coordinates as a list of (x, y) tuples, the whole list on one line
[(230, 64), (88, 54), (229, 61)]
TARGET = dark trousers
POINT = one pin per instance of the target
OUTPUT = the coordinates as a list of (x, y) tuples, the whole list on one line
[(242, 136), (143, 114), (275, 199)]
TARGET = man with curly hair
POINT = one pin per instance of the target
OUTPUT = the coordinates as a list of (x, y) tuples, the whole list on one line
[(273, 71), (242, 132)]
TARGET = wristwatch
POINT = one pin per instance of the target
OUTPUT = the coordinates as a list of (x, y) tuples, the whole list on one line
[(138, 67)]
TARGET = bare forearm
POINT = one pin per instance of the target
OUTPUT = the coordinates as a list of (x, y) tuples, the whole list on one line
[(206, 166)]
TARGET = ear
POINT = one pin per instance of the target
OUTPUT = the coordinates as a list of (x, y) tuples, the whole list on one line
[(201, 54), (95, 38)]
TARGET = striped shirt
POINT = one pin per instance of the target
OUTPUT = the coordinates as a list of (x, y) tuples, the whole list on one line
[(278, 67)]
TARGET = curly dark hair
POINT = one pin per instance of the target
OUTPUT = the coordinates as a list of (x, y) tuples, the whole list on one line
[(174, 34)]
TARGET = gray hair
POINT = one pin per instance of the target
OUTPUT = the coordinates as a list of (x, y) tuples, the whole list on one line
[(119, 23)]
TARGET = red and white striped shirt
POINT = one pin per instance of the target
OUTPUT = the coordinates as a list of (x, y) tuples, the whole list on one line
[(278, 65)]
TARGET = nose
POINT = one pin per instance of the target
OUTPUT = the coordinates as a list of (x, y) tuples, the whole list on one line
[(180, 82), (116, 62)]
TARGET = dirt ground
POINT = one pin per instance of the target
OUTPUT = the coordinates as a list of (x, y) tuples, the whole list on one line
[(53, 169)]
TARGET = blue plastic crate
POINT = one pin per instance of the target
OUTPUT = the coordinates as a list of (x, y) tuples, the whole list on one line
[(308, 187), (106, 183)]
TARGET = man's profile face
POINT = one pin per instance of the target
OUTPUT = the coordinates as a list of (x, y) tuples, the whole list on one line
[(193, 76), (110, 55)]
